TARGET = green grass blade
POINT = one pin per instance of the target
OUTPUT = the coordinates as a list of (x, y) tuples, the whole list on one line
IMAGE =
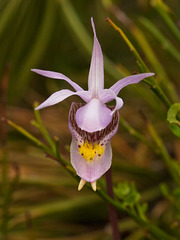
[(165, 43), (164, 11)]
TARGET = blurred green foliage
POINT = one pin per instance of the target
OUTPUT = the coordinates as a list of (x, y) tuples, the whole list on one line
[(172, 117)]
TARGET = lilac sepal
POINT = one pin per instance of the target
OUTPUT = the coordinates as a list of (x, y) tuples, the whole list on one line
[(57, 75), (59, 96), (129, 80), (108, 95), (96, 72)]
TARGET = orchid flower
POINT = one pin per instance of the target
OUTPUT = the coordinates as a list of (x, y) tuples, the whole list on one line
[(91, 124)]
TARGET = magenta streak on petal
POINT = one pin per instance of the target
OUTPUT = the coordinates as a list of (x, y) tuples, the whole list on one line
[(90, 171), (57, 75), (59, 96), (94, 116), (96, 72), (129, 80), (109, 134)]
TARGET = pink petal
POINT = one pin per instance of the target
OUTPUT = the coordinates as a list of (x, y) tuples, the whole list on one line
[(119, 104), (61, 95), (129, 80), (94, 116), (108, 95), (92, 170), (56, 75), (96, 72)]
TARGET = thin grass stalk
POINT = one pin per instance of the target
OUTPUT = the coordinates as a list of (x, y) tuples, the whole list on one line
[(165, 155), (40, 43), (154, 230), (38, 123), (146, 47), (27, 135), (142, 66), (164, 11), (165, 43)]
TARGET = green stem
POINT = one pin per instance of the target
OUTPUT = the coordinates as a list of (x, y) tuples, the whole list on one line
[(142, 66), (164, 11), (28, 135), (136, 134), (42, 128), (149, 52), (158, 91), (165, 155), (165, 43), (140, 62), (154, 230)]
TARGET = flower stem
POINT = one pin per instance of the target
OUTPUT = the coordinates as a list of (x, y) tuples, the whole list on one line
[(155, 231), (169, 162), (112, 211), (142, 66)]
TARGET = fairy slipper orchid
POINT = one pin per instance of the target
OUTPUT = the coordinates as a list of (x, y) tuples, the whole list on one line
[(92, 124)]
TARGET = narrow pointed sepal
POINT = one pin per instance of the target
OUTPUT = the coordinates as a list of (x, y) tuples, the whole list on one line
[(56, 75), (129, 80), (81, 184), (96, 72), (59, 96)]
